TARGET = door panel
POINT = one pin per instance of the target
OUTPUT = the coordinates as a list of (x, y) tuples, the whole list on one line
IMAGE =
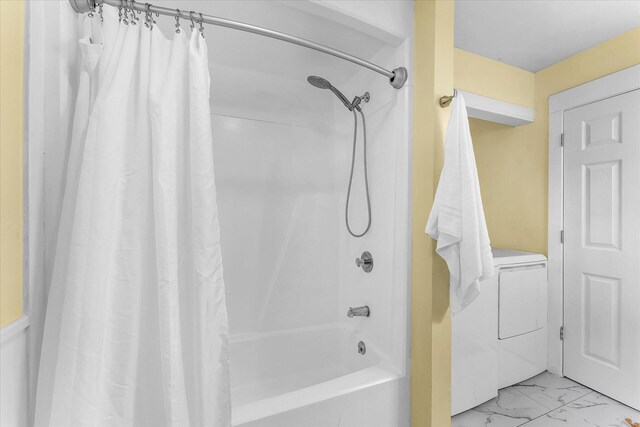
[(602, 205), (602, 246)]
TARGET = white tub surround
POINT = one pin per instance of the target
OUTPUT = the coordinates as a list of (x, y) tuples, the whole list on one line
[(282, 168)]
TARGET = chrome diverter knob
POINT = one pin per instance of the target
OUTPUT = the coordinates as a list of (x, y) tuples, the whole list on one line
[(365, 261)]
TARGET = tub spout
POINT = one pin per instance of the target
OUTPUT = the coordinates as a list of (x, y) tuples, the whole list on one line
[(358, 311)]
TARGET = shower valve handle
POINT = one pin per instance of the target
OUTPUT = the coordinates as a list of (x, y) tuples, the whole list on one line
[(365, 262)]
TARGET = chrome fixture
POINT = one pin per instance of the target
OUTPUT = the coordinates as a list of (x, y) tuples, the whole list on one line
[(397, 77), (354, 106), (366, 173), (321, 83), (444, 101), (362, 349), (358, 99), (358, 311), (365, 261)]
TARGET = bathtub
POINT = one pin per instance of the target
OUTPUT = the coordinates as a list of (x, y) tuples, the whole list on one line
[(312, 377)]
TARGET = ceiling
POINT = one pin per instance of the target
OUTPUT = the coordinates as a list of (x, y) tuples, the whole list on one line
[(533, 34)]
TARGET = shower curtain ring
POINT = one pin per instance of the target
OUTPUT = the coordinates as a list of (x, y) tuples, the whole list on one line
[(201, 26), (134, 18), (100, 10), (125, 14), (92, 9), (193, 25), (148, 17), (178, 21)]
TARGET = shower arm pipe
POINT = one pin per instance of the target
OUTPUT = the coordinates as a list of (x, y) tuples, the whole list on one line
[(397, 77)]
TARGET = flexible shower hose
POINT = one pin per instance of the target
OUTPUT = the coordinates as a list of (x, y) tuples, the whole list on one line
[(366, 179)]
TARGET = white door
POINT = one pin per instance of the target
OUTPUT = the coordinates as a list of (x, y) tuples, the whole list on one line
[(602, 246)]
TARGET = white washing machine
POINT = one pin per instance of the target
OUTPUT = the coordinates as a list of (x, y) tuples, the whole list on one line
[(501, 338)]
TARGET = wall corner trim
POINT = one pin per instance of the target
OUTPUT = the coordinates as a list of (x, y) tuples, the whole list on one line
[(13, 329)]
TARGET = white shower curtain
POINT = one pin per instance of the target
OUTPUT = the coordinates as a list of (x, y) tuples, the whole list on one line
[(136, 327)]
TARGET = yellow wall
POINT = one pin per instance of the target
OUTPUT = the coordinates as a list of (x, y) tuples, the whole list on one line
[(430, 321), (486, 77), (510, 163), (613, 55), (11, 159), (512, 166), (513, 162)]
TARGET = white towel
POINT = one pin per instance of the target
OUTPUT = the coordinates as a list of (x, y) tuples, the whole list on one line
[(457, 218)]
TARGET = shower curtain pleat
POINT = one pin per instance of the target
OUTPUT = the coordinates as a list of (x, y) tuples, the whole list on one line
[(136, 329)]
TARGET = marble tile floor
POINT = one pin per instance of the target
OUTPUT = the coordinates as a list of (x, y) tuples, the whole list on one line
[(547, 401)]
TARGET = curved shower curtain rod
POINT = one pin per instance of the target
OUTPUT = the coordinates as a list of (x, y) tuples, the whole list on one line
[(397, 77)]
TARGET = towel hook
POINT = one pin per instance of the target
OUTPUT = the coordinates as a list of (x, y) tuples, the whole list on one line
[(446, 100)]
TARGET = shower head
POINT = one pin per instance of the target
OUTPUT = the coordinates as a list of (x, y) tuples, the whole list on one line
[(321, 83)]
